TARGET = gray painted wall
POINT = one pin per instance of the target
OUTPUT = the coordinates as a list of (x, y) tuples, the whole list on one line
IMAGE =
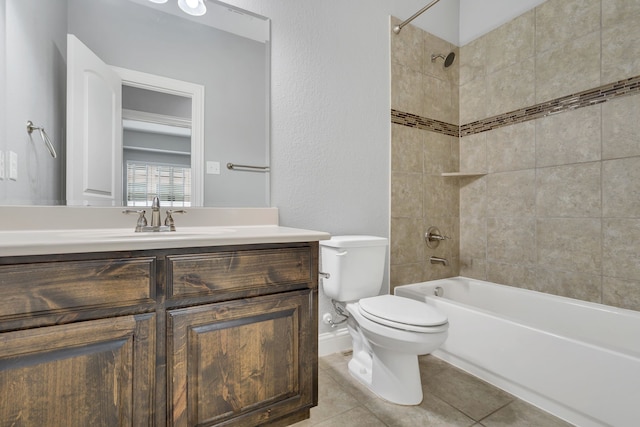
[(3, 91), (330, 115), (162, 142), (35, 52), (134, 98)]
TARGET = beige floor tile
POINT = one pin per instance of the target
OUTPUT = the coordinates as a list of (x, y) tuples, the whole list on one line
[(451, 398), (522, 414), (356, 417), (432, 412), (332, 400), (339, 371), (472, 396)]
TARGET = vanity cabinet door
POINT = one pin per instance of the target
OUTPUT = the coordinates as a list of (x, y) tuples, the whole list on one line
[(242, 363), (93, 373)]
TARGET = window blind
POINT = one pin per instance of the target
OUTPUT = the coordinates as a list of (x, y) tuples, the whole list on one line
[(172, 184)]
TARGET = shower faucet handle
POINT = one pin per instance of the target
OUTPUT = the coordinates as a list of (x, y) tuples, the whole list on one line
[(433, 237)]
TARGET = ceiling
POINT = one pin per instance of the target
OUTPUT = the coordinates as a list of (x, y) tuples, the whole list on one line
[(462, 21)]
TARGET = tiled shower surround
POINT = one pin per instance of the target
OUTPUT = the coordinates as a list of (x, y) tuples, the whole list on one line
[(559, 207)]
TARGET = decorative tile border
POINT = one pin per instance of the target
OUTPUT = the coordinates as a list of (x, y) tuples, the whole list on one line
[(414, 121), (586, 98)]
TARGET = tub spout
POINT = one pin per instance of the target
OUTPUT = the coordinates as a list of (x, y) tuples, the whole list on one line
[(438, 260)]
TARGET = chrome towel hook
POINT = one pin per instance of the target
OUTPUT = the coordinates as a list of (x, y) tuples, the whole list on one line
[(31, 127)]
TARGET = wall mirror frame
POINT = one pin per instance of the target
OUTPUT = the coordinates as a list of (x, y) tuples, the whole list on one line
[(236, 113)]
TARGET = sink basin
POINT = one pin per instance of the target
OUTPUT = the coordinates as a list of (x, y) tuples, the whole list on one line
[(112, 235), (166, 234), (193, 232)]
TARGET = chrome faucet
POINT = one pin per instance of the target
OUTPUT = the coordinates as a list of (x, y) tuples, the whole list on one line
[(155, 212), (141, 224), (438, 260)]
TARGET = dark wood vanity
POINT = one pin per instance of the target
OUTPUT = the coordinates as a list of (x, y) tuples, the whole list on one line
[(202, 336)]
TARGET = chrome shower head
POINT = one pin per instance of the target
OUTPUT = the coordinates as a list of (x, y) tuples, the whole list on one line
[(448, 60)]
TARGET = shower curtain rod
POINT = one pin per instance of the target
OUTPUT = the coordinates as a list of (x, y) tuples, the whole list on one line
[(397, 28)]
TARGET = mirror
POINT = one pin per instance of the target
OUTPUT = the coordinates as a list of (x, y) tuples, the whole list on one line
[(231, 61)]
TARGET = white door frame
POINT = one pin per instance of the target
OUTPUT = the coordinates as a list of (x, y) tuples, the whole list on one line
[(186, 89)]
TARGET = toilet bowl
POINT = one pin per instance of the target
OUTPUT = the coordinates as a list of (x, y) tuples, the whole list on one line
[(388, 332), (386, 359)]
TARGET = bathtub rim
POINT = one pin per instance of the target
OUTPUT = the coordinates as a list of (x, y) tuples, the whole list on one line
[(515, 289), (610, 310)]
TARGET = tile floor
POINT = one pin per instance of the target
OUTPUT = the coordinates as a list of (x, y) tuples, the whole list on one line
[(451, 398)]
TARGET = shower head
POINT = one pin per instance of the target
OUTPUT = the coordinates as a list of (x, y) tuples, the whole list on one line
[(448, 60)]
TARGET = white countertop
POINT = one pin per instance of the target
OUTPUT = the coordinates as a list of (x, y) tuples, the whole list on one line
[(38, 242), (58, 230)]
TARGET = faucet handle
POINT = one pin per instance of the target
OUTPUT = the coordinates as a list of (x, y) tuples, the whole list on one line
[(142, 220), (433, 237), (169, 219)]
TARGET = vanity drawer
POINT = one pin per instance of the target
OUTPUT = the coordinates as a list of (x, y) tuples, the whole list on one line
[(49, 287), (229, 271)]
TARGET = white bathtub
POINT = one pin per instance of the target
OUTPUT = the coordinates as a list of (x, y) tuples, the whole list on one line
[(577, 360)]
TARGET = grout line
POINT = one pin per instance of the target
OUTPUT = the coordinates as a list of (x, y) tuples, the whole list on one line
[(499, 409)]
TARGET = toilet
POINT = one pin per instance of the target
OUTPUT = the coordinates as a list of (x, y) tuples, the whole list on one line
[(388, 332)]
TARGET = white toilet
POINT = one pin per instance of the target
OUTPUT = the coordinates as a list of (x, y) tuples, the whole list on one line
[(388, 332)]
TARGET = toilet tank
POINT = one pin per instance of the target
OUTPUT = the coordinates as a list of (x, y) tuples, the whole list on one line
[(355, 265)]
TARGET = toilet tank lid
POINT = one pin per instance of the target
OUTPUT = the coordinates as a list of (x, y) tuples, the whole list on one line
[(354, 241)]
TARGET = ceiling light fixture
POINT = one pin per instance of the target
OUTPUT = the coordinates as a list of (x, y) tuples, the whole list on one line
[(193, 7)]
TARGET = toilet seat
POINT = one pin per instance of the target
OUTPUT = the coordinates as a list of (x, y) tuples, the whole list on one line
[(403, 313)]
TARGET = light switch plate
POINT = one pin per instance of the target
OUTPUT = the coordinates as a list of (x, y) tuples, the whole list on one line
[(1, 165), (213, 168), (13, 165)]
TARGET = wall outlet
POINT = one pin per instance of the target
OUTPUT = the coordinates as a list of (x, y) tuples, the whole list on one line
[(1, 165), (213, 168), (13, 165)]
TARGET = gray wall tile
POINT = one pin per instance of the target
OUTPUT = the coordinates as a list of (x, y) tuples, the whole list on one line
[(570, 244), (560, 21), (620, 254), (621, 293), (621, 188), (571, 137), (556, 69), (569, 191), (621, 51), (511, 240), (511, 194), (621, 127), (511, 147)]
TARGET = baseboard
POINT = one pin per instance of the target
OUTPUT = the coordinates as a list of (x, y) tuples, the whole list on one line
[(334, 342)]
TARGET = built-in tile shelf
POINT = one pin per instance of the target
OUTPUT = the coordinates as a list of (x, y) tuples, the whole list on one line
[(463, 174)]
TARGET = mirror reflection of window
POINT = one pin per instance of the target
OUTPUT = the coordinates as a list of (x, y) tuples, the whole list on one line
[(171, 183)]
